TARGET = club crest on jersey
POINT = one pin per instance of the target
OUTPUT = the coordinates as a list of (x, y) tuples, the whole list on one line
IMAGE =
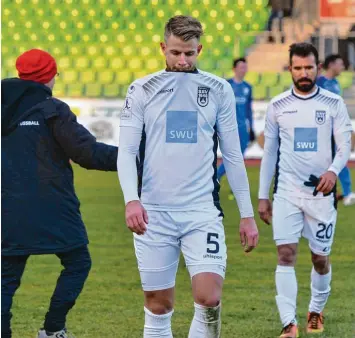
[(320, 116), (203, 96), (131, 89)]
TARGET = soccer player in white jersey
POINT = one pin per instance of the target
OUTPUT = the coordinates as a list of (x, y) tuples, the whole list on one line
[(303, 125), (177, 117)]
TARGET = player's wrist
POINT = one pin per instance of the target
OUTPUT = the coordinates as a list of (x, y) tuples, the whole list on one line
[(248, 218), (334, 171), (263, 196), (132, 201)]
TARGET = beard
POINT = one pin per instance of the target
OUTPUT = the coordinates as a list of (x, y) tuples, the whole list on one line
[(305, 88), (188, 69)]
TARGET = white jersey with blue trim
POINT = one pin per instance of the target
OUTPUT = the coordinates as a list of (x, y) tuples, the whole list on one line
[(305, 127), (181, 115)]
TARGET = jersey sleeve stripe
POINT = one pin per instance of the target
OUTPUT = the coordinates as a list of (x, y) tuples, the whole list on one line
[(216, 185), (140, 161), (277, 171)]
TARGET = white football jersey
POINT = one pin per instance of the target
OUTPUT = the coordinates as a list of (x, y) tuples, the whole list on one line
[(305, 127), (180, 114)]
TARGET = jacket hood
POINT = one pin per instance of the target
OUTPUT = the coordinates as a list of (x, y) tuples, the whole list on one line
[(17, 97)]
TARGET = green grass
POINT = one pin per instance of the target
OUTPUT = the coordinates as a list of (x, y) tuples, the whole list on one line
[(111, 304)]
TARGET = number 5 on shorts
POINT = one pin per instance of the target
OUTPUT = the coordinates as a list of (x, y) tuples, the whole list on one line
[(210, 241)]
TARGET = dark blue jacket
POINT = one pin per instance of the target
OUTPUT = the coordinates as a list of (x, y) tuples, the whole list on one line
[(39, 135)]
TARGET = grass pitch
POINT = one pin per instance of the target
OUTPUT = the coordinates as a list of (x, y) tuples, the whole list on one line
[(111, 304)]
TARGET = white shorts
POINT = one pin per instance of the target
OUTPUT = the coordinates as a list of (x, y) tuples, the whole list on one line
[(199, 235), (314, 219)]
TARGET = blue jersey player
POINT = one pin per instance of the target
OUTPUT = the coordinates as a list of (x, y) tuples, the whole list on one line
[(333, 66), (244, 97)]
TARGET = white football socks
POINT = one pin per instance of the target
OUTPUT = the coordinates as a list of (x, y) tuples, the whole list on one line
[(286, 286), (320, 287), (157, 326), (206, 322)]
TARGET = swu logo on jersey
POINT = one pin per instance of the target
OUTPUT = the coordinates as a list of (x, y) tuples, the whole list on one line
[(203, 96), (306, 139), (181, 126), (320, 116)]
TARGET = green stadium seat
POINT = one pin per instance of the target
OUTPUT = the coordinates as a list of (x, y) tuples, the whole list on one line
[(225, 64), (90, 37), (153, 64), (346, 79), (64, 63), (59, 90), (105, 77), (93, 90), (9, 62), (111, 90), (6, 50), (116, 63), (123, 90), (75, 90), (260, 92), (58, 51), (140, 74), (262, 16), (228, 74), (69, 76), (3, 73), (123, 77), (92, 51), (100, 63), (275, 90), (135, 63), (75, 50), (285, 79), (87, 76), (253, 78), (269, 79), (82, 62), (10, 73), (207, 63)]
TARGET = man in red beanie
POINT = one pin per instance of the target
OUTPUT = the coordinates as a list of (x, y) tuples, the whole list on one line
[(40, 210), (36, 65)]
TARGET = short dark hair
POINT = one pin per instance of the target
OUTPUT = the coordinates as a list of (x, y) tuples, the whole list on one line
[(184, 27), (330, 59), (236, 61), (303, 49)]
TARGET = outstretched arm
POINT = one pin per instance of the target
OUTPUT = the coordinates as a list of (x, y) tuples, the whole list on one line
[(79, 144)]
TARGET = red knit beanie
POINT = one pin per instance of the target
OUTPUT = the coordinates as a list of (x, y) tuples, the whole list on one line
[(36, 65)]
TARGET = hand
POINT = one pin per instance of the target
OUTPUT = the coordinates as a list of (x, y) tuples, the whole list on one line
[(249, 234), (327, 182), (251, 135), (136, 217), (265, 210)]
